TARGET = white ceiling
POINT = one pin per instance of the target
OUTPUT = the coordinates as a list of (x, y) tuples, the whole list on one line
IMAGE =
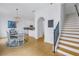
[(25, 9)]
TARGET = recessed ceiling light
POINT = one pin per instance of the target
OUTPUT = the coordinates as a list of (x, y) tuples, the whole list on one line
[(16, 8), (33, 11), (51, 3)]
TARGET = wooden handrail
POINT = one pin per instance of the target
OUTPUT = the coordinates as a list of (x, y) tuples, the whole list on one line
[(76, 9)]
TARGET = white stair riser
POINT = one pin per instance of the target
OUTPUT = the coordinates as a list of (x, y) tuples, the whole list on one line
[(68, 22), (69, 48), (70, 39), (71, 22), (70, 32), (69, 35), (67, 25), (76, 21), (71, 26), (69, 43), (71, 29)]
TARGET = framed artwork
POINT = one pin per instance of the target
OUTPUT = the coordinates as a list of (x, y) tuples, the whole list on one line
[(11, 24), (50, 23)]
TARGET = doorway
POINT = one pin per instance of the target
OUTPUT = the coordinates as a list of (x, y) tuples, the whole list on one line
[(41, 28)]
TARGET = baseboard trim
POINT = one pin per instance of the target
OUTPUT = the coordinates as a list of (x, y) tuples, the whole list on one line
[(3, 37), (40, 37)]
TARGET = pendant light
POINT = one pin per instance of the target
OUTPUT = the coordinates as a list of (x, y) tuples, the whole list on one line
[(17, 17)]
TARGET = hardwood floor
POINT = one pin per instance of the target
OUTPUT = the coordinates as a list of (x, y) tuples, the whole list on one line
[(32, 47)]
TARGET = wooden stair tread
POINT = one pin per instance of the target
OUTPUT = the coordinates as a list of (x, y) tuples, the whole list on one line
[(68, 51), (71, 30), (69, 41), (69, 33), (69, 45), (58, 54), (69, 37)]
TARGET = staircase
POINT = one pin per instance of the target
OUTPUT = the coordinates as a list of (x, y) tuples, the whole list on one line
[(69, 39)]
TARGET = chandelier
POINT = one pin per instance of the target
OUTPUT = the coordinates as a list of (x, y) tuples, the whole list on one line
[(17, 17)]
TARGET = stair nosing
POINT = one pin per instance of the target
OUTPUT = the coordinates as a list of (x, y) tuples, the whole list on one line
[(69, 41), (73, 36), (69, 52), (69, 38), (64, 53), (70, 33), (69, 46)]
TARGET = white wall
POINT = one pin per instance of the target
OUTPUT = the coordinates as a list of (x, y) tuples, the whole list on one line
[(20, 25), (4, 26), (62, 16), (23, 23), (0, 26), (49, 13)]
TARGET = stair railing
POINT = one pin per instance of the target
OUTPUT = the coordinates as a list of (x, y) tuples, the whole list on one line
[(76, 9), (56, 36)]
